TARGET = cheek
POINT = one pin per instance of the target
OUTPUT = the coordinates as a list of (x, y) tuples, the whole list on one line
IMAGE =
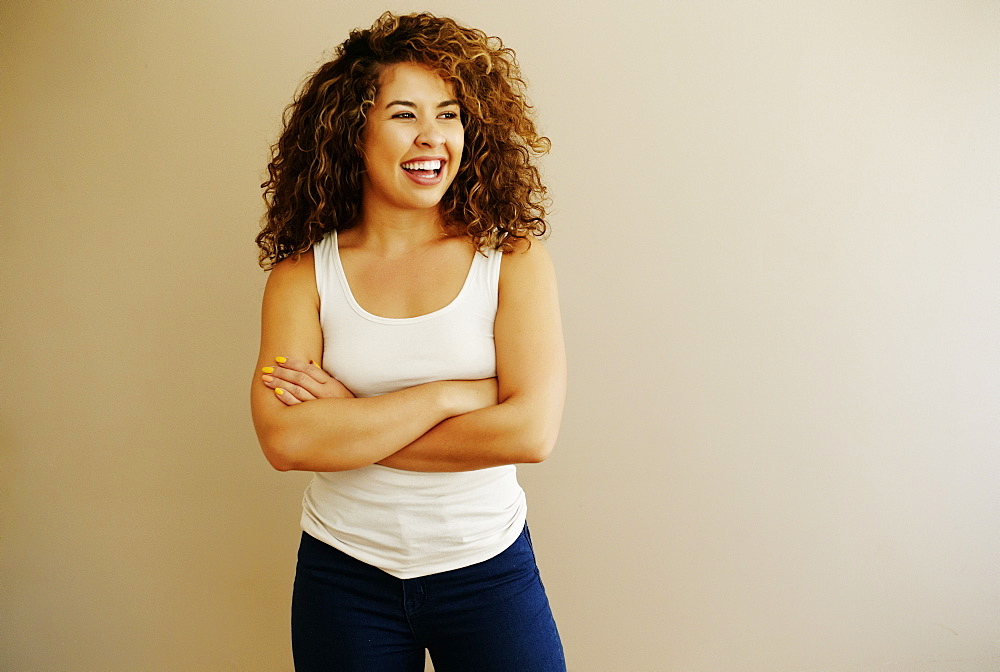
[(385, 145), (457, 142)]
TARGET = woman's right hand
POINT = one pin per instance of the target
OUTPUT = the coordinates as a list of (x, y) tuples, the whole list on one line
[(294, 381)]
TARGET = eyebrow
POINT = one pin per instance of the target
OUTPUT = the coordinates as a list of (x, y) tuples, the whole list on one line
[(407, 103)]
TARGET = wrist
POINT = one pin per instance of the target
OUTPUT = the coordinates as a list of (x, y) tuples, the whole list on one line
[(449, 398)]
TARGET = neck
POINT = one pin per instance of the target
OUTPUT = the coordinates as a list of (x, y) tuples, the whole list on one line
[(393, 230)]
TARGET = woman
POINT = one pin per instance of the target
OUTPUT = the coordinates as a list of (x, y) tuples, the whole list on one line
[(411, 352)]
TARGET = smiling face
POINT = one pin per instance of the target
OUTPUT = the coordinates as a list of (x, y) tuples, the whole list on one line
[(413, 140)]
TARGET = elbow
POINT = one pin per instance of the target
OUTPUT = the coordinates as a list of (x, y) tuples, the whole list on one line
[(277, 439), (536, 430), (287, 450), (279, 462), (279, 455), (538, 448), (536, 436), (281, 448), (536, 454)]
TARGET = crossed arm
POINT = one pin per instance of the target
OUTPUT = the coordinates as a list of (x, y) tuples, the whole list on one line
[(316, 424)]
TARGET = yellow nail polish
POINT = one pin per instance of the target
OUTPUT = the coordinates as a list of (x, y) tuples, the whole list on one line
[(268, 369), (280, 360), (279, 391)]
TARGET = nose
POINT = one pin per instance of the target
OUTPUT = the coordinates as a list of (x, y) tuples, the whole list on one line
[(430, 136)]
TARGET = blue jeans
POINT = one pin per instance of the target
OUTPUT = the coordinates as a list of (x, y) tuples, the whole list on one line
[(491, 616)]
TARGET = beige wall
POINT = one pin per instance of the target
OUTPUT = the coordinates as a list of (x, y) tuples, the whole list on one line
[(777, 238)]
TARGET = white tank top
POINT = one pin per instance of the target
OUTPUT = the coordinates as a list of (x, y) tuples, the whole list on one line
[(411, 523)]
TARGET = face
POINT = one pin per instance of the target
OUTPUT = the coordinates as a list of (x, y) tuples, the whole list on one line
[(413, 140)]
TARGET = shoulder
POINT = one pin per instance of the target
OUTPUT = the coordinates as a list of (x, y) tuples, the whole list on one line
[(527, 269), (528, 262), (293, 276)]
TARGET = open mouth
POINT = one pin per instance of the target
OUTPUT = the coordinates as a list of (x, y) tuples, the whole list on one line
[(424, 169)]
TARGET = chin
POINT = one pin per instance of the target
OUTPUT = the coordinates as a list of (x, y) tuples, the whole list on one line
[(424, 202)]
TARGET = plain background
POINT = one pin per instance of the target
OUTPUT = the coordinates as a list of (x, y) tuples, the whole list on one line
[(777, 234)]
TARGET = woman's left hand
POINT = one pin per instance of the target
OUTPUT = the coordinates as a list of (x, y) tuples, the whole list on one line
[(294, 381)]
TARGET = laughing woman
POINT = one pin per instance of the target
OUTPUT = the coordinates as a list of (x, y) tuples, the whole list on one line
[(411, 352)]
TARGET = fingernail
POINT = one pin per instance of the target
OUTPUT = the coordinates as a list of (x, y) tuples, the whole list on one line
[(279, 391), (315, 364), (280, 360), (268, 369)]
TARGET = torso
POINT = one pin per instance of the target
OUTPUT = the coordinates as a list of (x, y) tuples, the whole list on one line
[(409, 284), (411, 523)]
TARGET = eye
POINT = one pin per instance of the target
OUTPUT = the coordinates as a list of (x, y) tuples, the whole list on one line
[(403, 115), (450, 115)]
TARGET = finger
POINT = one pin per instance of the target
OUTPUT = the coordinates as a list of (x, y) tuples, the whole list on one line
[(301, 385), (285, 398), (291, 376), (309, 376), (301, 373), (286, 387), (310, 368)]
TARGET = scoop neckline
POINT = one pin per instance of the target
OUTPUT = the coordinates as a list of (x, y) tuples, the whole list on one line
[(349, 293)]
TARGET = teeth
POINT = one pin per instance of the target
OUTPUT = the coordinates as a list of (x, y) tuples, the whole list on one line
[(423, 165)]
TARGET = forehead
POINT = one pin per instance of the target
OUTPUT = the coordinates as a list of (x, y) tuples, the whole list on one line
[(410, 81)]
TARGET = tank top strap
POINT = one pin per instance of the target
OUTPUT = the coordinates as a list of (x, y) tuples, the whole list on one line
[(485, 276), (325, 261)]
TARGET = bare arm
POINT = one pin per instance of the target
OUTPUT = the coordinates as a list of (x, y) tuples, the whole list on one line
[(338, 432), (531, 374)]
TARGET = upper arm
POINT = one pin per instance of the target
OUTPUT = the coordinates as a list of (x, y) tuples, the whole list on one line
[(289, 326), (531, 358)]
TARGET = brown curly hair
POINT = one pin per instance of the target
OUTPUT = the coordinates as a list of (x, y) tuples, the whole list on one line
[(314, 184)]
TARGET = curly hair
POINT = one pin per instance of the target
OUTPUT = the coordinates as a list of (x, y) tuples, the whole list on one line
[(314, 185)]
